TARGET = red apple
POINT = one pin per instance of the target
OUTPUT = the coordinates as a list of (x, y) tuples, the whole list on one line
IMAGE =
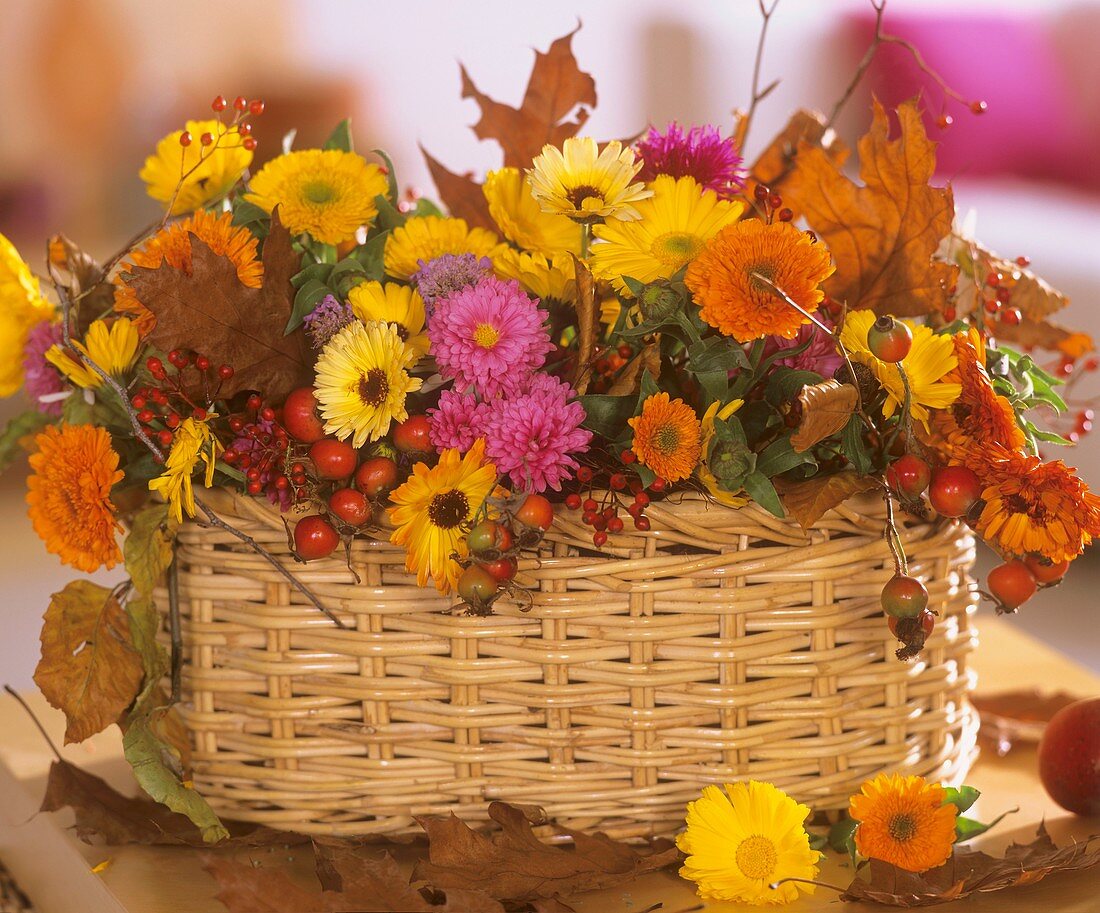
[(1069, 757)]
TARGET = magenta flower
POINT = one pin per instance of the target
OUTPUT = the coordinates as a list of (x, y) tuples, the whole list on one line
[(457, 421), (533, 435), (700, 153), (43, 382), (489, 336), (327, 319), (448, 274), (821, 355)]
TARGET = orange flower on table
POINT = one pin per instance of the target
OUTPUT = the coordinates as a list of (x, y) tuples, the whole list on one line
[(740, 305), (69, 497), (904, 821), (173, 244), (667, 437)]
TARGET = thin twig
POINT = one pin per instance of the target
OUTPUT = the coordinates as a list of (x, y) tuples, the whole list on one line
[(820, 884), (892, 536), (174, 628), (861, 70), (758, 94), (37, 722)]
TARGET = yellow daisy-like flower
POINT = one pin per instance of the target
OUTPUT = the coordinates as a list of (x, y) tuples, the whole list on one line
[(585, 184), (208, 172), (931, 357), (547, 278), (427, 237), (113, 348), (703, 472), (674, 225), (400, 305), (522, 221), (432, 508), (362, 380), (326, 192), (667, 437), (194, 442), (21, 308), (904, 821), (741, 841)]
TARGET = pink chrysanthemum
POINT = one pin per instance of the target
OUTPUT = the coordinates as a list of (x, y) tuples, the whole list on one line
[(700, 153), (457, 421), (821, 355), (489, 336), (532, 436), (42, 381)]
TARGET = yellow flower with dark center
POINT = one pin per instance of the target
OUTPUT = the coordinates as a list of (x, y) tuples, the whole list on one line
[(427, 237), (432, 509), (703, 472), (69, 495), (400, 305), (667, 437), (674, 225), (362, 380), (904, 821), (194, 441), (208, 172), (586, 184), (742, 841), (21, 308), (328, 193), (520, 219), (928, 365), (547, 278), (113, 348)]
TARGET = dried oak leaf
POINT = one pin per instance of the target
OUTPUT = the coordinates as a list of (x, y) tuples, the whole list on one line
[(514, 865), (87, 283), (1008, 717), (808, 501), (804, 129), (968, 872), (210, 311), (588, 324), (881, 235), (629, 379), (826, 408), (89, 668), (460, 193)]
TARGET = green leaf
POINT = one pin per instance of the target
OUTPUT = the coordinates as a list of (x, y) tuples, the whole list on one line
[(636, 287), (341, 137), (854, 447), (606, 415), (968, 828), (761, 490), (144, 622), (148, 547), (842, 837), (391, 175), (716, 353), (780, 457), (962, 798), (372, 256), (23, 425), (645, 474), (251, 215), (315, 272), (388, 217), (785, 384), (307, 298), (818, 841), (426, 207), (716, 385)]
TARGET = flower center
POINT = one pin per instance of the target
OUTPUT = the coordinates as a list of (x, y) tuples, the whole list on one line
[(486, 335), (666, 439), (756, 857), (449, 508), (756, 270), (902, 827), (318, 192), (675, 248), (373, 387), (577, 195)]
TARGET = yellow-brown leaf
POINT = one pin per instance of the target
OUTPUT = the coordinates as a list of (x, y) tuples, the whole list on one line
[(826, 408), (808, 501), (805, 128)]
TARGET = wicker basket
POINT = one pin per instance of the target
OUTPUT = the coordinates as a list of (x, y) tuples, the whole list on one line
[(722, 644)]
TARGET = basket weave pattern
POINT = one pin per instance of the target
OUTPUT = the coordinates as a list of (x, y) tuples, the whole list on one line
[(722, 644)]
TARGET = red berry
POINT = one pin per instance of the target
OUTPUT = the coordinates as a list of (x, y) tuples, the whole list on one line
[(904, 597), (615, 525), (202, 362), (584, 474), (477, 586), (760, 193), (206, 139), (536, 511), (333, 459), (889, 340), (488, 538), (1012, 584), (172, 420), (642, 499), (786, 215), (236, 423), (267, 414), (413, 435), (944, 121), (301, 416), (218, 104), (978, 107), (617, 481), (315, 537), (225, 371), (376, 475), (1045, 571), (502, 569), (138, 402), (658, 485), (927, 622), (255, 487), (145, 416), (599, 522), (1023, 262), (909, 475), (599, 538), (245, 129), (256, 107), (590, 504), (1012, 317), (573, 501), (775, 200), (588, 517), (240, 103), (164, 438), (230, 456), (627, 457), (954, 490), (249, 143), (185, 138), (254, 402), (350, 506), (641, 523)]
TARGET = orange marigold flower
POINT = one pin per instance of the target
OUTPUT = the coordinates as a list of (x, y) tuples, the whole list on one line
[(70, 495), (173, 245), (739, 305), (904, 821), (667, 437)]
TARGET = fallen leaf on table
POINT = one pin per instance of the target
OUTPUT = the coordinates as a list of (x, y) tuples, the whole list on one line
[(808, 501), (826, 408), (1008, 717), (245, 888)]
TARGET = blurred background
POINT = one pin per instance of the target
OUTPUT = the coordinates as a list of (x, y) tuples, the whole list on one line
[(86, 89)]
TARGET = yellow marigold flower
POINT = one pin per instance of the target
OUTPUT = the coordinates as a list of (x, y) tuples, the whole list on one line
[(172, 245), (740, 842), (703, 472), (928, 364), (904, 821), (400, 305), (113, 348), (667, 437), (732, 301), (585, 184), (547, 278), (326, 192), (674, 225), (208, 172), (69, 495), (194, 442), (362, 380), (427, 237), (432, 508), (522, 221), (21, 308)]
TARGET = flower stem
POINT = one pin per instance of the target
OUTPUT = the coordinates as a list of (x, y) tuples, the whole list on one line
[(586, 239)]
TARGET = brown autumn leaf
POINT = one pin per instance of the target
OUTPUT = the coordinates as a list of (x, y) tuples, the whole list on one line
[(774, 164), (808, 501), (968, 872), (1015, 716), (514, 865), (87, 286), (649, 359), (460, 193), (245, 888), (89, 668), (588, 325), (211, 312), (826, 408), (883, 234)]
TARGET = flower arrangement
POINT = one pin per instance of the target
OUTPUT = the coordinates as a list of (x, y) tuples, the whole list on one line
[(592, 328)]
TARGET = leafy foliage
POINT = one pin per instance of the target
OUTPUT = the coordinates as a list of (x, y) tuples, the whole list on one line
[(148, 547), (18, 435)]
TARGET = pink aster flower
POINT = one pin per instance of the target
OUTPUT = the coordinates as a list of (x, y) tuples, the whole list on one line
[(43, 382), (447, 274), (532, 436), (820, 355), (457, 421), (700, 153), (489, 336)]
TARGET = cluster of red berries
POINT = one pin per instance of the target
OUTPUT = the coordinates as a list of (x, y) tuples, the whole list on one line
[(771, 204), (242, 108), (610, 492), (260, 449), (608, 361), (186, 393)]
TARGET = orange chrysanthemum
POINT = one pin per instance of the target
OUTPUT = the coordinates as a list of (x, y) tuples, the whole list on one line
[(667, 437), (1032, 507), (739, 305), (70, 495), (173, 245), (904, 821)]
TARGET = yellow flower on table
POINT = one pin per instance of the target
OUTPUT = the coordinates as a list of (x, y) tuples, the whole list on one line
[(194, 442), (112, 348), (426, 237), (522, 221), (904, 821), (588, 184), (393, 303), (21, 308), (208, 172)]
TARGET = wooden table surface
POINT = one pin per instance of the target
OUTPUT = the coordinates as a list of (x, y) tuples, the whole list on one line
[(55, 869)]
